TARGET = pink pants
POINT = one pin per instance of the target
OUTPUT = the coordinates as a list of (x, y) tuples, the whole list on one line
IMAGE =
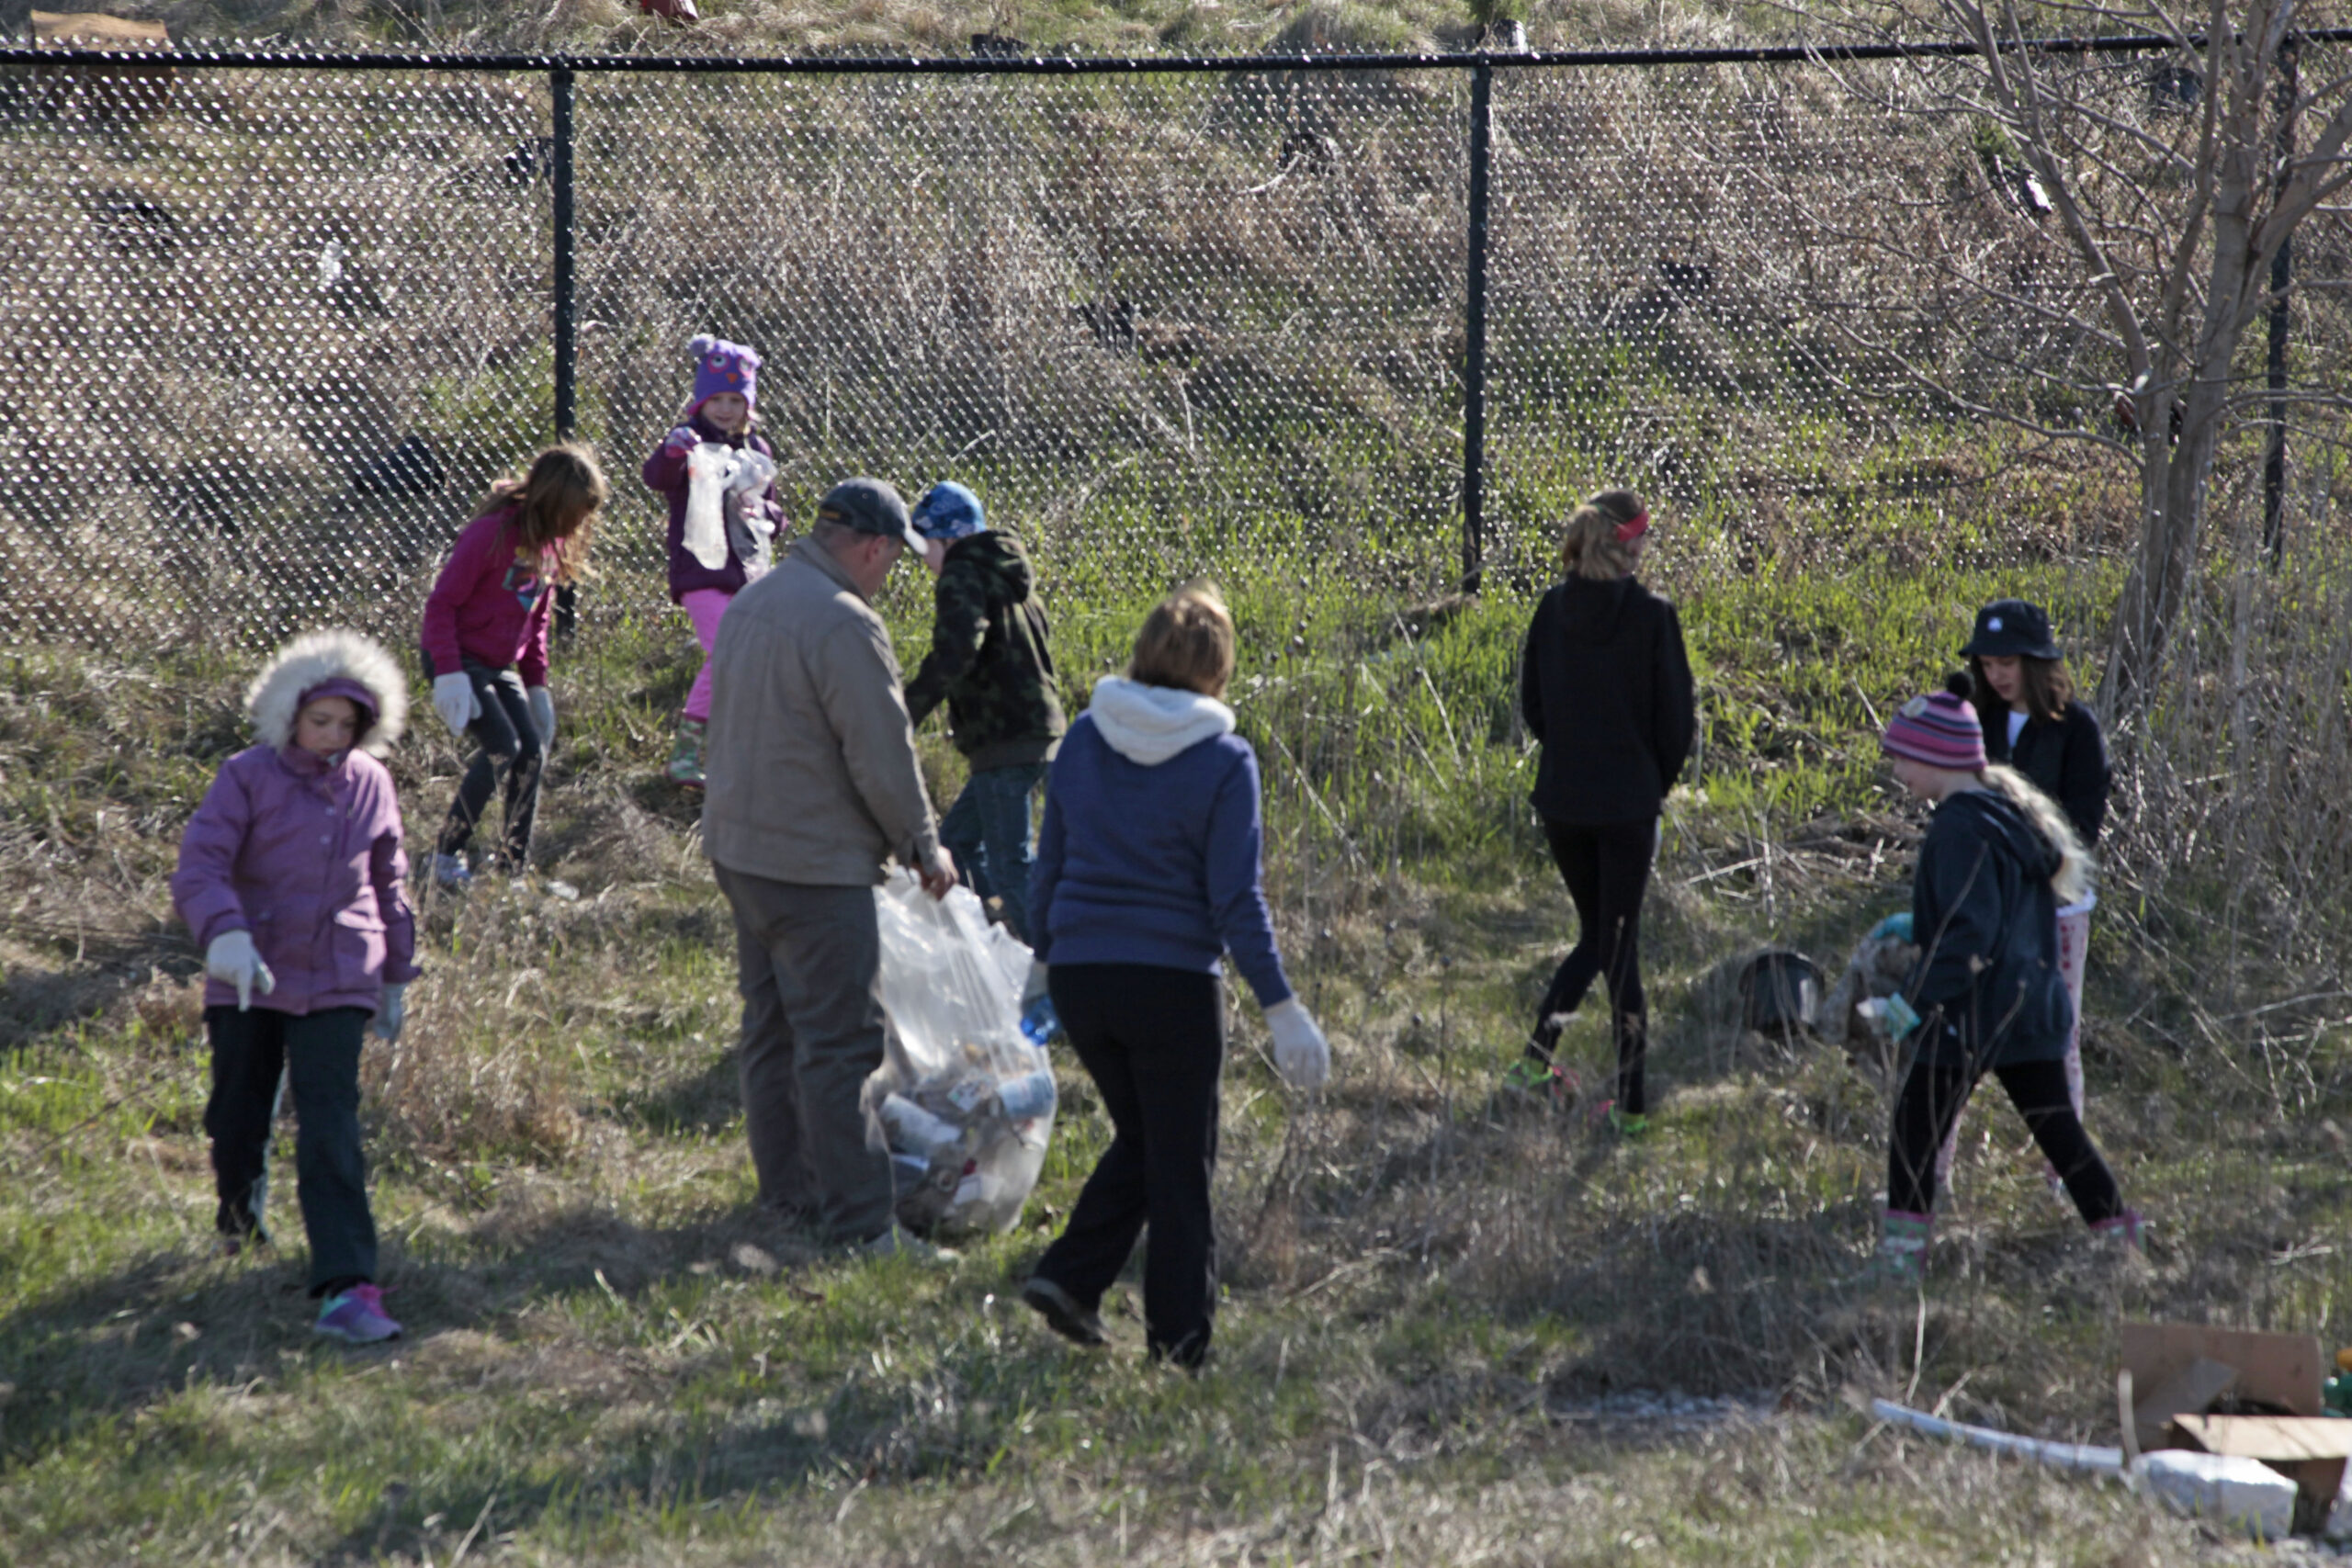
[(702, 607), (2073, 946)]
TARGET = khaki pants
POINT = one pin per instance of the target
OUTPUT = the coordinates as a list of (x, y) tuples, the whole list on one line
[(806, 959)]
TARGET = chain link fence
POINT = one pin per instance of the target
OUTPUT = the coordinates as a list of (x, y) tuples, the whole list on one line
[(272, 327)]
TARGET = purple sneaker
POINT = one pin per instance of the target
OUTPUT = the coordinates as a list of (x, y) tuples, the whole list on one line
[(355, 1316)]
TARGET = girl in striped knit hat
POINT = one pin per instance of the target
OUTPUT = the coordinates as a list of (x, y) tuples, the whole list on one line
[(1988, 994)]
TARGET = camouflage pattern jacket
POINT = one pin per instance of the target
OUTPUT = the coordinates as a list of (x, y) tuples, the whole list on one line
[(988, 658)]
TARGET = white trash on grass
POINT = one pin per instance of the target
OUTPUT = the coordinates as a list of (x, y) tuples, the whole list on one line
[(2229, 1488), (963, 1101), (2233, 1490)]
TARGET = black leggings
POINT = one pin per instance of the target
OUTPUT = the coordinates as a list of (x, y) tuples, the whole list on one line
[(510, 744), (1153, 1040), (1607, 870), (1930, 1101)]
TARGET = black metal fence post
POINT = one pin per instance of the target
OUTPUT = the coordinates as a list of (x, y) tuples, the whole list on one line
[(567, 598), (2282, 272), (1474, 351)]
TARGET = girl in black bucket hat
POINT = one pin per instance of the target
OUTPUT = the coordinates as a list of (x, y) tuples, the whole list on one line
[(2033, 722)]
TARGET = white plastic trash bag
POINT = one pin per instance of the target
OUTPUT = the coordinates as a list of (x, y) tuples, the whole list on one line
[(963, 1101)]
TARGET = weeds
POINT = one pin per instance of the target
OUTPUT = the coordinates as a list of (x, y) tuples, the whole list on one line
[(1439, 1301)]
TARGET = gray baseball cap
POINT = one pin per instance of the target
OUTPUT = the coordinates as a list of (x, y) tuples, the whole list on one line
[(869, 506)]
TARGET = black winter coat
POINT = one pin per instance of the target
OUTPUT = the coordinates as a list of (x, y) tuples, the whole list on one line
[(991, 660), (2065, 758), (1604, 684), (1987, 987)]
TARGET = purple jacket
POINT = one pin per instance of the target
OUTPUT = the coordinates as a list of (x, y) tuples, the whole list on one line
[(666, 471), (487, 605), (308, 858)]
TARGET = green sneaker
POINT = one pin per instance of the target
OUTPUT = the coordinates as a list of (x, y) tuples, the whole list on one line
[(1539, 1079), (1627, 1125), (1902, 1249), (686, 754)]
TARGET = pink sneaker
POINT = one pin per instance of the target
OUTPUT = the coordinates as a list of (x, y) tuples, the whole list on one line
[(355, 1316)]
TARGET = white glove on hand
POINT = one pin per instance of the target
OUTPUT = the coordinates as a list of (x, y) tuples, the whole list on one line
[(454, 700), (1301, 1053), (231, 958), (542, 715), (393, 1011)]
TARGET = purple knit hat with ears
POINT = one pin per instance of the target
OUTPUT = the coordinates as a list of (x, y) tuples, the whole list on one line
[(1940, 731), (723, 366)]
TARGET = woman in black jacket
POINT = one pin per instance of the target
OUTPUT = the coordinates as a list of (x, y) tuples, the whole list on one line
[(1605, 687), (1987, 994), (2034, 723)]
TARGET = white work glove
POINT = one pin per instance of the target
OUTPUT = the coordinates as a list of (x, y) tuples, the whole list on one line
[(1301, 1053), (393, 1011), (231, 958), (542, 715), (454, 700)]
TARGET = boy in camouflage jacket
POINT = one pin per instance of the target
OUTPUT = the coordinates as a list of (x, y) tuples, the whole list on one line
[(990, 663)]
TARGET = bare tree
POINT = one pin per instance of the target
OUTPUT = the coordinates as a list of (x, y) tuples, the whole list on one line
[(2115, 244)]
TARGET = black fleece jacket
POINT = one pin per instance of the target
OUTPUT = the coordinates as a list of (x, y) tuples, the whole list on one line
[(2065, 758), (990, 659), (1604, 684), (1987, 988)]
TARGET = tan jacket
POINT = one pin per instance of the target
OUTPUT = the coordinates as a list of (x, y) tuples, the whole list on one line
[(810, 757)]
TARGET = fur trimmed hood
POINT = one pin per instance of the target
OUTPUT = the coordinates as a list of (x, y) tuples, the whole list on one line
[(314, 659)]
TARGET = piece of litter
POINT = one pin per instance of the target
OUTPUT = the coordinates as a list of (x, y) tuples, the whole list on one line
[(2091, 1456), (2228, 1487), (563, 890), (754, 1259)]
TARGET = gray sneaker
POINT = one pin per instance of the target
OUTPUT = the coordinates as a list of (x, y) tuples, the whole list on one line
[(1061, 1312), (899, 1242)]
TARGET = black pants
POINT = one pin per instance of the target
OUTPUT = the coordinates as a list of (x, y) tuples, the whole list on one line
[(1607, 870), (1931, 1101), (510, 745), (318, 1056), (1153, 1040)]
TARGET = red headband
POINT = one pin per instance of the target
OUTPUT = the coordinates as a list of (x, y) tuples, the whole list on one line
[(1628, 532)]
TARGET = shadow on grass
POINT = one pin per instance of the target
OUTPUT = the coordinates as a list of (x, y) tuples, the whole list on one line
[(106, 1351)]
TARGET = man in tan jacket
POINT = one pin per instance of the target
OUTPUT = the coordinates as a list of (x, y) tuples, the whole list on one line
[(812, 786)]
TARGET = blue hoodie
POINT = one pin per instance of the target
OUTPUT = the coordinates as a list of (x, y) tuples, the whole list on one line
[(1149, 850)]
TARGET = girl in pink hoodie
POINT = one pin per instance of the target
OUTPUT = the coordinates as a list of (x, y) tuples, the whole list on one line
[(485, 637), (291, 878)]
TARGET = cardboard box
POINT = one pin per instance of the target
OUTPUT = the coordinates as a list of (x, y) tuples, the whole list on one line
[(2269, 1385)]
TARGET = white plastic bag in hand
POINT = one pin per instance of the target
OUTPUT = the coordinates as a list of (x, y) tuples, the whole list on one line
[(754, 471), (454, 700), (1301, 1053), (393, 1011), (232, 959), (710, 466), (542, 714)]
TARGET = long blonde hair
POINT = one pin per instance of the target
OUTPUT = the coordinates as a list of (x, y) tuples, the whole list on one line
[(2072, 881), (1590, 546)]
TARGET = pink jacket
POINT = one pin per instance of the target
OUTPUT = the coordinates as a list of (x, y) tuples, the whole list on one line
[(488, 606), (307, 857)]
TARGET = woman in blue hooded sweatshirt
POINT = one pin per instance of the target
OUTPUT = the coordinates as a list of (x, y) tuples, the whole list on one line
[(1148, 871)]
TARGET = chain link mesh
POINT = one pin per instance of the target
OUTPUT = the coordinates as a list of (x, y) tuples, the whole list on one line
[(271, 331), (266, 331)]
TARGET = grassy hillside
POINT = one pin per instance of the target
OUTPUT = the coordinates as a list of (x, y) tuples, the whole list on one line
[(1163, 335), (916, 26), (1455, 1328)]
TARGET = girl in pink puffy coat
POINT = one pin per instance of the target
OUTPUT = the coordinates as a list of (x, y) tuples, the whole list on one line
[(290, 876)]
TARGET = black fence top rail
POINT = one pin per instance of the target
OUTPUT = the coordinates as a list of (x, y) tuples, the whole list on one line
[(198, 54)]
